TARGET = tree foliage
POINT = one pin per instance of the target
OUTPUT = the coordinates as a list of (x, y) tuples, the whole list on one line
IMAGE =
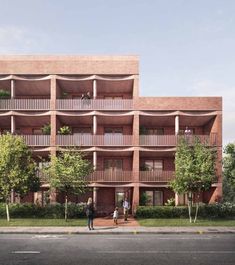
[(67, 172), (229, 173), (194, 168), (17, 169)]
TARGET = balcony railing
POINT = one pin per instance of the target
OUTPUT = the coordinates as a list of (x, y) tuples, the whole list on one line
[(24, 104), (110, 176), (171, 140), (94, 104), (37, 140), (156, 176), (94, 140)]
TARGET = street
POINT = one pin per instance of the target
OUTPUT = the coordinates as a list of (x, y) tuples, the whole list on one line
[(208, 249)]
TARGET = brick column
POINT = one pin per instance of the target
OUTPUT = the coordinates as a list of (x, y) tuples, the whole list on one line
[(217, 128), (94, 160), (136, 87)]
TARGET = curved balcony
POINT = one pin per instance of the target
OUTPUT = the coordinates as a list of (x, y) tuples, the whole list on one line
[(94, 104), (24, 104), (156, 176), (94, 140), (37, 140), (110, 176)]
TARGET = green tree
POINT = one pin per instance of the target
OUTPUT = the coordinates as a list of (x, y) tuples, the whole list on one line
[(229, 173), (17, 169), (67, 173), (194, 170)]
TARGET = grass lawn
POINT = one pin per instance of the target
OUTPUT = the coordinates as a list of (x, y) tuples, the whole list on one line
[(43, 222), (185, 222)]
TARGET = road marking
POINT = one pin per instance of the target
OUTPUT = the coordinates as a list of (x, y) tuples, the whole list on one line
[(164, 252), (25, 252), (48, 237), (161, 238)]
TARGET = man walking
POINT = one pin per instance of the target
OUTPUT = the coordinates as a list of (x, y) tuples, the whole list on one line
[(125, 209)]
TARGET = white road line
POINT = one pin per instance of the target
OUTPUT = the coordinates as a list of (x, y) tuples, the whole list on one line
[(25, 252), (161, 238), (164, 252)]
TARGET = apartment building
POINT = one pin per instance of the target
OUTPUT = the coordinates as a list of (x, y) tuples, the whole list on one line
[(130, 140)]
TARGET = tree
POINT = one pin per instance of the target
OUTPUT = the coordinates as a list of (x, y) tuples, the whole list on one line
[(17, 169), (67, 173), (194, 170), (229, 173)]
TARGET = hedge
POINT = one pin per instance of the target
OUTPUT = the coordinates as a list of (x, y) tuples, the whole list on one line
[(225, 210), (29, 210)]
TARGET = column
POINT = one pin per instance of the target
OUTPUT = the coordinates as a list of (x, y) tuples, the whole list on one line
[(95, 196), (177, 125), (13, 124), (94, 160), (94, 125), (12, 88), (94, 88), (136, 195), (136, 87)]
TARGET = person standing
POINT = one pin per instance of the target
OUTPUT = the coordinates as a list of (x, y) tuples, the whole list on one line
[(125, 209), (90, 211), (115, 216)]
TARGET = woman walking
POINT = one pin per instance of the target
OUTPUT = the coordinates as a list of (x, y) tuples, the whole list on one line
[(90, 211)]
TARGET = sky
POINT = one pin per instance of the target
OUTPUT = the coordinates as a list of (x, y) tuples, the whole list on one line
[(186, 47)]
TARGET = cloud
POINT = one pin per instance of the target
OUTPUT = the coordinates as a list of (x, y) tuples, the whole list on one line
[(20, 40), (210, 88)]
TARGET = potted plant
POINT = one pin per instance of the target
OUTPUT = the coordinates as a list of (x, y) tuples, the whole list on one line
[(4, 94), (65, 130), (46, 129)]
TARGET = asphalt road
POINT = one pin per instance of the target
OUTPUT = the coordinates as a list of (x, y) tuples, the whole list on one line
[(117, 249)]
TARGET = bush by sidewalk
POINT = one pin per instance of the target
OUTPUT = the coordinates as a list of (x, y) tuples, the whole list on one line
[(225, 210), (30, 210)]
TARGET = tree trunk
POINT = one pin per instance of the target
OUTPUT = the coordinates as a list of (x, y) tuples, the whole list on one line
[(197, 207), (190, 206), (7, 211), (66, 208)]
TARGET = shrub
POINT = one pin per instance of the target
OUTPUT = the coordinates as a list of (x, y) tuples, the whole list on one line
[(30, 210), (225, 210)]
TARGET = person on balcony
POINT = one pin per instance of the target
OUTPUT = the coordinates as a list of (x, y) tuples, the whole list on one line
[(187, 131)]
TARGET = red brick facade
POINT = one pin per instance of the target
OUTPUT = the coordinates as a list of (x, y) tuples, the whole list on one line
[(122, 133)]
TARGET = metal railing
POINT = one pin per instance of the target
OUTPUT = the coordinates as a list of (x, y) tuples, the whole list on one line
[(24, 104), (94, 140), (157, 175), (37, 140), (94, 104), (172, 140), (110, 176)]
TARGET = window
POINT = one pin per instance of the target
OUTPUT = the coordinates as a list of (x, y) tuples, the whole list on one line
[(115, 130), (152, 164), (113, 164), (155, 197), (113, 97), (155, 131), (37, 131), (82, 130)]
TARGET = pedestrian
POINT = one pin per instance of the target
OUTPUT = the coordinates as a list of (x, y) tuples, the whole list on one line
[(115, 216), (90, 211), (125, 209)]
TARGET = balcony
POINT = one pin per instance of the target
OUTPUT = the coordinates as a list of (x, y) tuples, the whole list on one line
[(24, 104), (37, 140), (156, 176), (110, 176), (94, 140), (171, 140), (94, 104)]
